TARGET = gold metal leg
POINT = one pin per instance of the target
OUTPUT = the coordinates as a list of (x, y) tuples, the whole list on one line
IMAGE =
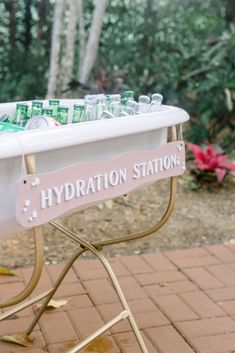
[(125, 314), (54, 289), (38, 237), (157, 226), (24, 305), (151, 230), (122, 316), (39, 253)]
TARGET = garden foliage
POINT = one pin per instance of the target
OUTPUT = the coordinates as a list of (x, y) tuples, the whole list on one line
[(210, 161), (184, 49)]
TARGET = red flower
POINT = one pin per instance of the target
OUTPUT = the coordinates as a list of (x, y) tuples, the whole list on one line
[(211, 161)]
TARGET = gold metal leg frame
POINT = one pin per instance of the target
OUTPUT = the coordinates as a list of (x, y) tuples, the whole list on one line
[(125, 314), (95, 249), (39, 258)]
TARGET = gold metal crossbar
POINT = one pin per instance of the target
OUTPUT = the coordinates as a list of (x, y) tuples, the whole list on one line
[(122, 316), (94, 248)]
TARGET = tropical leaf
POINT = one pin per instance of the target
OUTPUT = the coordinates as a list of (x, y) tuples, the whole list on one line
[(228, 165), (210, 161), (54, 304), (220, 174), (6, 272), (21, 339)]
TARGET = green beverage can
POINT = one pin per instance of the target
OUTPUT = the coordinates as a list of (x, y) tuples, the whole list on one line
[(20, 117), (78, 113), (62, 116), (47, 112), (36, 108), (54, 105)]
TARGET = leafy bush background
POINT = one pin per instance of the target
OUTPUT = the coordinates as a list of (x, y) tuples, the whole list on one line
[(184, 49)]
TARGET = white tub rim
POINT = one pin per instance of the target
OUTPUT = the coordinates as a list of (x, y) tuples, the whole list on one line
[(29, 142)]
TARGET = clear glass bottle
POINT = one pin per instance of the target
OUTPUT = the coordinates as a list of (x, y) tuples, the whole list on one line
[(20, 117), (107, 115), (90, 111), (115, 105), (47, 112), (36, 108), (108, 100), (101, 106), (62, 116), (78, 113), (131, 107), (127, 96), (143, 104), (156, 102), (90, 96)]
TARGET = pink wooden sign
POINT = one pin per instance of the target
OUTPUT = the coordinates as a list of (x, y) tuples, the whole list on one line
[(42, 197)]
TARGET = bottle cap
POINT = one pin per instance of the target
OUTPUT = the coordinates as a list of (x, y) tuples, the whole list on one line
[(144, 99), (157, 98), (128, 94), (115, 97), (37, 104), (78, 107), (63, 109), (54, 101), (21, 105)]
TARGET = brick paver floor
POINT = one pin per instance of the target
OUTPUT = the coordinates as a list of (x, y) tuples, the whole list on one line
[(183, 302)]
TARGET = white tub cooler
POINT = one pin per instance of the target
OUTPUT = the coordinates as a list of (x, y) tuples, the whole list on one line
[(73, 167)]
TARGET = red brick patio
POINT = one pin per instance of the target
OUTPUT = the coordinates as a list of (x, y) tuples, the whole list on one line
[(183, 301)]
